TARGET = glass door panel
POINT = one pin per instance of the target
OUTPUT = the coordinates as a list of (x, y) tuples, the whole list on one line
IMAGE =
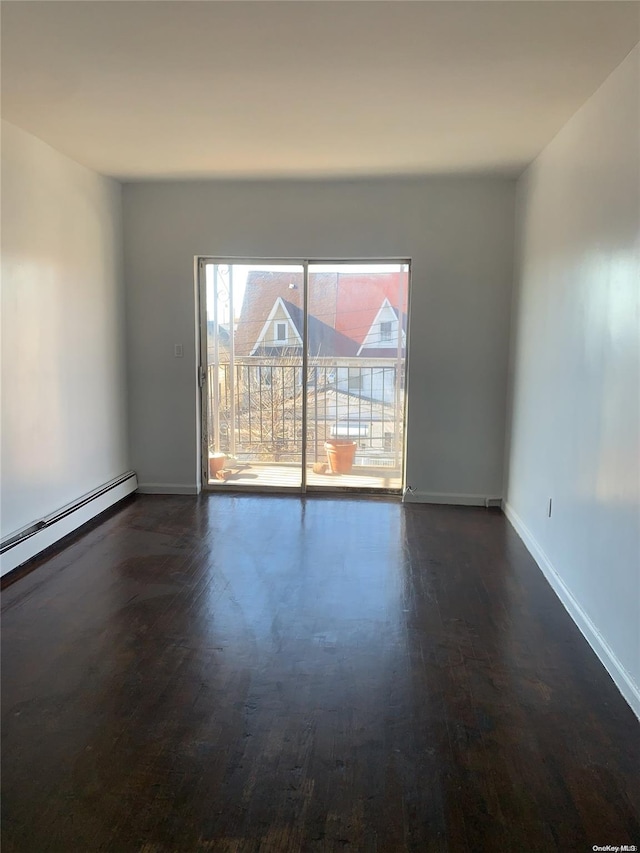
[(356, 351), (253, 387)]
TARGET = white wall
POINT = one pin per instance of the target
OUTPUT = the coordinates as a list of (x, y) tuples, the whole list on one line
[(458, 232), (576, 380), (63, 359)]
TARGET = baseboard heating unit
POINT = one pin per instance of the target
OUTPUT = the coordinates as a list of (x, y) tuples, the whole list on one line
[(24, 544)]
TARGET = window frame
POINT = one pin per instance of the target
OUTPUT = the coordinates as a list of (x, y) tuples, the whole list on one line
[(386, 331)]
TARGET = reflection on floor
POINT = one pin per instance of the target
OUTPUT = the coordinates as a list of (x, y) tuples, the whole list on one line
[(288, 476)]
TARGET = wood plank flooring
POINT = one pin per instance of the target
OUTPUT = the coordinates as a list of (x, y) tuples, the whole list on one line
[(262, 674)]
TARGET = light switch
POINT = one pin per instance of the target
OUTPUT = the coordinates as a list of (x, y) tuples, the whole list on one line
[(178, 351)]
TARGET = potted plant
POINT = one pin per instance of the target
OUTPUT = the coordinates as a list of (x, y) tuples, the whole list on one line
[(340, 453), (216, 463)]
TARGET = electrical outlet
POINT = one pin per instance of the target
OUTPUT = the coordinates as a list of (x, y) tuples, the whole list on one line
[(178, 351)]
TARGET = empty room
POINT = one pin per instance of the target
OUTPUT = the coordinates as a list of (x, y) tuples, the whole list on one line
[(320, 461)]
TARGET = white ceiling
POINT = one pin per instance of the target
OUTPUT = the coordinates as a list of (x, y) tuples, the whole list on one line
[(167, 89)]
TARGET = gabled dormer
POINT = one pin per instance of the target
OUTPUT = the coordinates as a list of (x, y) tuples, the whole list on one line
[(279, 331), (383, 334)]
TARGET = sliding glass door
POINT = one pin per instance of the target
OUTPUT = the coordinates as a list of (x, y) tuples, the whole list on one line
[(356, 347), (302, 374), (253, 384)]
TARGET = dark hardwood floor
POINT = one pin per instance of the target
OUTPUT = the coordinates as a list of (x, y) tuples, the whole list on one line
[(235, 673)]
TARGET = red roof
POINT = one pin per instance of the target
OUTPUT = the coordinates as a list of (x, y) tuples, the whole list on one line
[(347, 302), (262, 291), (360, 297)]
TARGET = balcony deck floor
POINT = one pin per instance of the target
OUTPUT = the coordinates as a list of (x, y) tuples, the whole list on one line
[(287, 476)]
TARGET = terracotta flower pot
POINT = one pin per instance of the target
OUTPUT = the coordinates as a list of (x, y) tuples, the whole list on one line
[(340, 453), (216, 463)]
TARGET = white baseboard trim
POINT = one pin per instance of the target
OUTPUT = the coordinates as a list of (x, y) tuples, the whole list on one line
[(47, 531), (621, 678), (167, 489), (450, 499)]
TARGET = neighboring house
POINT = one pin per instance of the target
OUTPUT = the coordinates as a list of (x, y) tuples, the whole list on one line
[(375, 378), (360, 298), (382, 338), (261, 293), (354, 321), (282, 334)]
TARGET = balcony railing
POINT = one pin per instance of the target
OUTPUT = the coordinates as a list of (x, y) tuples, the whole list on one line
[(260, 409)]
